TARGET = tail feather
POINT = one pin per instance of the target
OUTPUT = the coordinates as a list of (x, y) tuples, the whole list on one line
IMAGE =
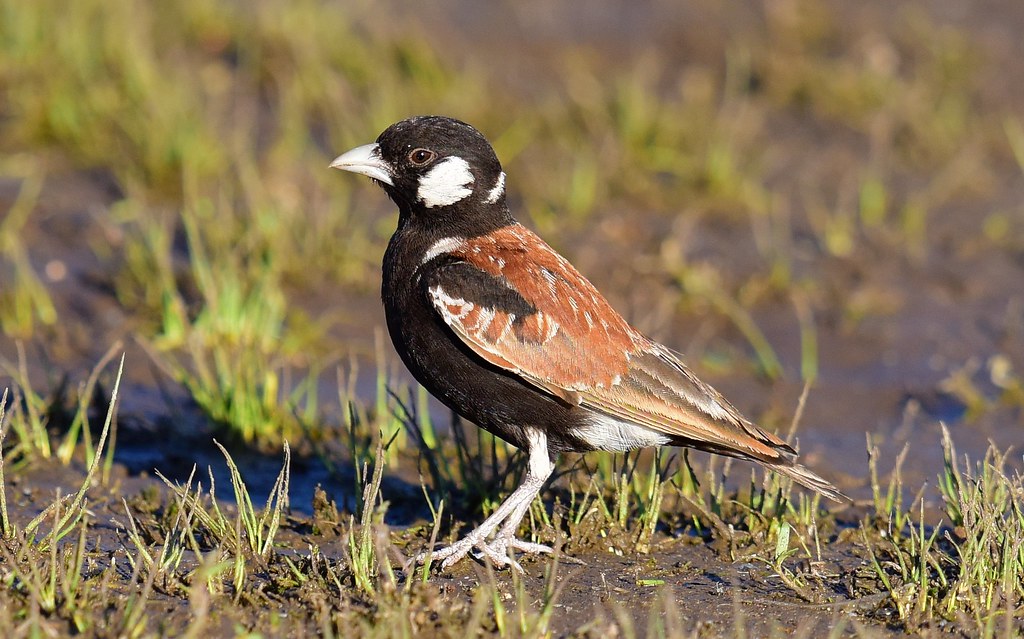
[(807, 478)]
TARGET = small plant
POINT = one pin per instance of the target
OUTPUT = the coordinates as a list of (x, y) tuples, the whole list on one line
[(29, 413), (248, 537), (986, 511), (178, 539), (24, 300), (970, 568), (51, 573), (78, 507), (888, 503), (367, 557)]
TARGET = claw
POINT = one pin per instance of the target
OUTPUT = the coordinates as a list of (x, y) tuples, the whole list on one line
[(496, 551)]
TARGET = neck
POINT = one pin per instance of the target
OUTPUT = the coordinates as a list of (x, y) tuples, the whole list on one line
[(462, 219)]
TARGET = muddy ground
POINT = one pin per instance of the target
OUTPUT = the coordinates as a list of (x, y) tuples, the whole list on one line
[(952, 313), (682, 578)]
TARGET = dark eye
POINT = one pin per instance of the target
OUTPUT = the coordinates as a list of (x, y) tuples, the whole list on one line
[(419, 157)]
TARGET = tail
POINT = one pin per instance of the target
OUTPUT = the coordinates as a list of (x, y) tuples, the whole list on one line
[(778, 455), (805, 477)]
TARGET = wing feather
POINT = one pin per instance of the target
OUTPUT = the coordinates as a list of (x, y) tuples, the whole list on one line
[(522, 307)]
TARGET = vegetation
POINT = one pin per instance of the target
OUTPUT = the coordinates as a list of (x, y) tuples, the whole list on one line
[(233, 563)]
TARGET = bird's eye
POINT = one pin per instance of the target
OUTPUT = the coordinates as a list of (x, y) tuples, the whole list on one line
[(419, 157)]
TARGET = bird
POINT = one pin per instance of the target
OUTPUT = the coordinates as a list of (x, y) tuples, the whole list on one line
[(504, 331)]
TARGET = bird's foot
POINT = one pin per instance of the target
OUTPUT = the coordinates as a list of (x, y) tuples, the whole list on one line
[(496, 550)]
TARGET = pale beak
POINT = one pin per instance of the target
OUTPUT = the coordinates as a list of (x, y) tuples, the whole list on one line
[(364, 160)]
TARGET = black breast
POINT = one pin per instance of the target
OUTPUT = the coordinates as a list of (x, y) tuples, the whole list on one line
[(492, 398)]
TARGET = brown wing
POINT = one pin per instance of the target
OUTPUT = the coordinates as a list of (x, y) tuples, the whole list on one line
[(661, 393), (522, 307)]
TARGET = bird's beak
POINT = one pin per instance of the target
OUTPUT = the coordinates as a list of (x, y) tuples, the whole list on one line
[(364, 160)]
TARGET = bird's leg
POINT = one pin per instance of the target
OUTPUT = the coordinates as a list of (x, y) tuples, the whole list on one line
[(497, 549), (538, 471), (510, 513), (477, 538)]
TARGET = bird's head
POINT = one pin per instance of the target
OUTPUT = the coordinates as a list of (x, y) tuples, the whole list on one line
[(434, 168)]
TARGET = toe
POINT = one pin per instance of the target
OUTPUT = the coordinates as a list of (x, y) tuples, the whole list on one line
[(454, 557), (447, 555), (528, 547), (496, 553)]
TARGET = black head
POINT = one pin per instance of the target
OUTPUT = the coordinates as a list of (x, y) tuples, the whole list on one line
[(437, 170)]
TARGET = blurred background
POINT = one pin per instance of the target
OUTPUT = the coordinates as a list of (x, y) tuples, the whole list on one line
[(787, 191), (793, 193)]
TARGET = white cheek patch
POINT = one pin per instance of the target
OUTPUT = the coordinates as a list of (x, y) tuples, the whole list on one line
[(446, 183), (498, 190)]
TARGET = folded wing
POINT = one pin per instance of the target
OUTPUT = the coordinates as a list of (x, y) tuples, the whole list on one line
[(522, 307)]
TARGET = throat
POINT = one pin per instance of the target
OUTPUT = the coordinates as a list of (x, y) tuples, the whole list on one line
[(467, 219)]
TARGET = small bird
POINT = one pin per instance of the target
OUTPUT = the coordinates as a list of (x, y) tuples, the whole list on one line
[(507, 333)]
